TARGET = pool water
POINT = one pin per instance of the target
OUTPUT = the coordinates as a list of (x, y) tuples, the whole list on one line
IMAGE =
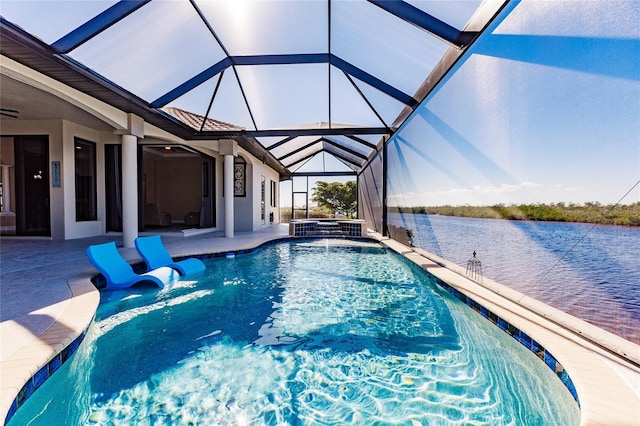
[(312, 332)]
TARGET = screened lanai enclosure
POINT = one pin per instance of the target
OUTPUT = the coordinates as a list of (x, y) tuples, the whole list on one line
[(431, 106)]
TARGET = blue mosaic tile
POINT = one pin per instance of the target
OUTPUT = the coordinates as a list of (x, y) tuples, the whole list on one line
[(564, 377), (502, 324), (525, 339), (75, 344), (483, 311), (12, 410), (41, 376), (537, 349), (569, 384), (550, 361), (65, 354), (54, 364), (351, 229), (25, 392)]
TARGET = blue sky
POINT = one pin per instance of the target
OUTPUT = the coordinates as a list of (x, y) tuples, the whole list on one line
[(545, 107)]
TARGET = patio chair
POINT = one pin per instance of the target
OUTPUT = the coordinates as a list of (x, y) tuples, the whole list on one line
[(119, 273), (156, 255)]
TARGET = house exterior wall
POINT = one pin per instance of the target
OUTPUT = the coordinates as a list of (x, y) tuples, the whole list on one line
[(247, 212), (243, 210), (62, 134), (72, 228), (113, 122), (266, 172)]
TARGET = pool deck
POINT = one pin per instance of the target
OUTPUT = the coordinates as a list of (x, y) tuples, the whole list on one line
[(47, 301)]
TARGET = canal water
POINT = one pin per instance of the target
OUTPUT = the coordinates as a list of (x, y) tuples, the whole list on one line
[(591, 272)]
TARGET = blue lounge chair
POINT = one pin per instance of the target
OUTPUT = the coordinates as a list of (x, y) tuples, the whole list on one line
[(155, 255), (118, 272)]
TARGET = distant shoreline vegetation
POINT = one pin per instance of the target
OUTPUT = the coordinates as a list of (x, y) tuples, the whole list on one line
[(591, 212)]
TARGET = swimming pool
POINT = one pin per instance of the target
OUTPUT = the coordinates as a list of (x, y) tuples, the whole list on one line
[(307, 332)]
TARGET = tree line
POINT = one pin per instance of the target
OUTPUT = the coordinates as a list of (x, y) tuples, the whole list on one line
[(337, 198), (591, 212)]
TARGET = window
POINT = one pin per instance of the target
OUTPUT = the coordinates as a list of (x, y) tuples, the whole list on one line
[(85, 159), (239, 177), (262, 198), (273, 194)]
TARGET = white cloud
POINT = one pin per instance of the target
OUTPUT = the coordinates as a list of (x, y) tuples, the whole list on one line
[(531, 185), (523, 192)]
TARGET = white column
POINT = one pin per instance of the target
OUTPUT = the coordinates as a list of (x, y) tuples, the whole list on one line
[(228, 196), (129, 190), (6, 189)]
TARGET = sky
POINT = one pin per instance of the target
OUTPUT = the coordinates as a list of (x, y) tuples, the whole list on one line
[(544, 107)]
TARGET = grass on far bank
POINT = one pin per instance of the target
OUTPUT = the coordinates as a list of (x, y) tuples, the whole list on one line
[(592, 212), (315, 213)]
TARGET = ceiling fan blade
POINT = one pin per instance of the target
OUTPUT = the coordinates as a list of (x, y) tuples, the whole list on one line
[(9, 112)]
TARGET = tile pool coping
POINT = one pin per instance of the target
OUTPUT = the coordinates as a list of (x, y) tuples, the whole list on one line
[(585, 368)]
